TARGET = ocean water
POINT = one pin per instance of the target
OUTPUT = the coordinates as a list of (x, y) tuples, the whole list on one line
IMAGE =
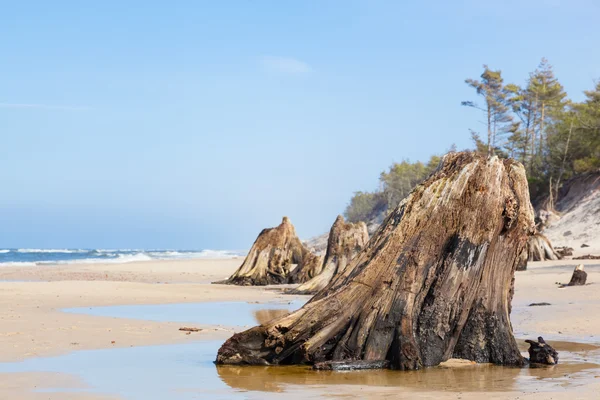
[(32, 257)]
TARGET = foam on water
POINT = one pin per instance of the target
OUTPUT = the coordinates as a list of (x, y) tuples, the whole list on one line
[(31, 257)]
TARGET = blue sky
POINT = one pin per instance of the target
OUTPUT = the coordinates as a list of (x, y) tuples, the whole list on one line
[(194, 124)]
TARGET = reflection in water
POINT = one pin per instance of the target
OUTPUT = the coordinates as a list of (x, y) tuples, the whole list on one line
[(264, 316), (483, 377)]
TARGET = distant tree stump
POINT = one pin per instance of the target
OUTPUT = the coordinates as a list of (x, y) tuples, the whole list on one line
[(345, 241), (434, 282), (540, 249), (277, 257), (541, 352)]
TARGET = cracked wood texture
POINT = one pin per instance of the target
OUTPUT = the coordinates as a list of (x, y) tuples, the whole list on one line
[(345, 241), (434, 282), (277, 257)]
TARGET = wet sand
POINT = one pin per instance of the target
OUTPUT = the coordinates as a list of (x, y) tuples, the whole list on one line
[(32, 324)]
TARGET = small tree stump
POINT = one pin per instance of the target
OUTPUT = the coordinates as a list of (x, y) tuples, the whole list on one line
[(541, 352), (277, 257), (579, 276)]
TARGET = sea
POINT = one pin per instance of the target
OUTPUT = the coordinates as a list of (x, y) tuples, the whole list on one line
[(32, 257)]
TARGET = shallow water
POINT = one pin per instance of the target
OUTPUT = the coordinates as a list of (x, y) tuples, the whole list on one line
[(186, 371), (222, 313)]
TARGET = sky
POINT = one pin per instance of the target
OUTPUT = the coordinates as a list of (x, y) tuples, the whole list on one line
[(195, 124)]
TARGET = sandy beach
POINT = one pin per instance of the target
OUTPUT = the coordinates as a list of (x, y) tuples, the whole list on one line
[(33, 325)]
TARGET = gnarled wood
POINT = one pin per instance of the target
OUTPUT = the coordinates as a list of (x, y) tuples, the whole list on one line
[(277, 257), (434, 282), (345, 241), (539, 248)]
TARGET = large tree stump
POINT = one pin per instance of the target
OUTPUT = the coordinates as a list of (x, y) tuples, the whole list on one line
[(434, 282), (277, 257), (345, 241)]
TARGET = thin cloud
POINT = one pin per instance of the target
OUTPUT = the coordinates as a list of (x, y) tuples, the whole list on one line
[(44, 106), (285, 65)]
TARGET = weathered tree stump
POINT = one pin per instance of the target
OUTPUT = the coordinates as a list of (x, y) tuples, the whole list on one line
[(345, 241), (579, 276), (434, 282), (539, 248), (541, 352), (277, 257)]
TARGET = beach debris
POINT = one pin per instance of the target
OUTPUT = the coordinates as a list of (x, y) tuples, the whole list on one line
[(189, 329), (350, 365), (564, 251), (344, 242), (277, 257), (587, 257), (434, 282), (541, 352), (578, 278), (539, 304)]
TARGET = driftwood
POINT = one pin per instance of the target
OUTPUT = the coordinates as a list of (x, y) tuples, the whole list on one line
[(541, 352), (564, 251), (277, 257), (188, 329), (345, 241), (434, 282), (587, 257)]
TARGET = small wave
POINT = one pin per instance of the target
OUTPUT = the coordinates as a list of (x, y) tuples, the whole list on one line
[(4, 251), (18, 264), (68, 251)]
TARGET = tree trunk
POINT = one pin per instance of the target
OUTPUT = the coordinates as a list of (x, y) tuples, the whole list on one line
[(539, 248), (277, 257), (434, 282), (344, 242)]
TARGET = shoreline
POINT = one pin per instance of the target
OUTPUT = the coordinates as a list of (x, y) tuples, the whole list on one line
[(33, 325)]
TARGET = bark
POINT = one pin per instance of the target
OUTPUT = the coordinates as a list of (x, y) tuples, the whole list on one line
[(277, 257), (434, 282), (541, 352), (539, 248), (345, 241), (522, 260)]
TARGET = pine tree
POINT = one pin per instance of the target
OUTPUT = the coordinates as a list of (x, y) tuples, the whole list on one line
[(496, 108)]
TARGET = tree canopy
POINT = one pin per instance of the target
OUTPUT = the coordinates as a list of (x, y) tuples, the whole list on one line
[(535, 123)]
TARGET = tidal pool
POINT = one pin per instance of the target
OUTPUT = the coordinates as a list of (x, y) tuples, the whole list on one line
[(216, 313), (187, 371)]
